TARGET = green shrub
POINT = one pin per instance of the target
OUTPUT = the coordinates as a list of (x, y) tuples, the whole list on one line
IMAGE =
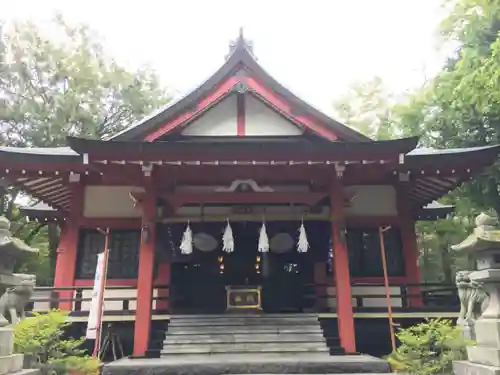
[(84, 365), (40, 338), (428, 348)]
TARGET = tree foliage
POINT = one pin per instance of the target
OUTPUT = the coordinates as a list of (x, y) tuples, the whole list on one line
[(459, 107), (41, 338), (59, 81), (428, 348), (368, 107), (52, 88)]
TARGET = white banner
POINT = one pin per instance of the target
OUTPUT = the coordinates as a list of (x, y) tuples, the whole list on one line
[(94, 319)]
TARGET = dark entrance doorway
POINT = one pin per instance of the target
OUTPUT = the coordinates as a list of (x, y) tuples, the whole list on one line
[(199, 280), (241, 267), (283, 288), (196, 286)]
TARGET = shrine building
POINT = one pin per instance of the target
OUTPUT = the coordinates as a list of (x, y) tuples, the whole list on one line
[(240, 195)]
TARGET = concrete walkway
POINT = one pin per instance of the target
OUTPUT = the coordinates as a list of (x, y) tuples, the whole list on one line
[(249, 364)]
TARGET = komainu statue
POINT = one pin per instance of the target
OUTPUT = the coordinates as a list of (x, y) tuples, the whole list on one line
[(13, 301), (473, 300)]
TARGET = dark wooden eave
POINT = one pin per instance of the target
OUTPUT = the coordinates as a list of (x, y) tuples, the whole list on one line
[(47, 169), (235, 145), (452, 167), (434, 211), (239, 58), (12, 156), (41, 212)]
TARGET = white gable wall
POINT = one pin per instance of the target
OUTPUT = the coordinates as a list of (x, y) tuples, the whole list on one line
[(217, 121), (260, 120)]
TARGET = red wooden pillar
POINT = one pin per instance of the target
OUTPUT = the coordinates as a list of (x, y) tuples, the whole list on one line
[(67, 249), (410, 247), (342, 275), (145, 275), (411, 255)]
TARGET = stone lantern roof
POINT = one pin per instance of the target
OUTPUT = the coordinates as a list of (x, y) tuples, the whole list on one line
[(486, 235)]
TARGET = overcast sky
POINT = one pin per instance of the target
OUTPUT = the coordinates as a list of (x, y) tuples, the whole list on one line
[(316, 47)]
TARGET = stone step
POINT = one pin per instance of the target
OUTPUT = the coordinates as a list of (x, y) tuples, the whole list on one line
[(233, 322), (245, 316), (248, 319), (242, 338), (263, 363), (187, 330), (244, 348)]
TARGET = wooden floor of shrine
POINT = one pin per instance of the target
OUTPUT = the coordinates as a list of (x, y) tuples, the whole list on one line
[(369, 310), (371, 328), (120, 316)]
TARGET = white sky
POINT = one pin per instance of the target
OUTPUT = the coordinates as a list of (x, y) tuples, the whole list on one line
[(316, 47)]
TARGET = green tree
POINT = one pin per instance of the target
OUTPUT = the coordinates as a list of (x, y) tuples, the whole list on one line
[(367, 106), (460, 107), (373, 110), (63, 84), (428, 348), (52, 88), (41, 339)]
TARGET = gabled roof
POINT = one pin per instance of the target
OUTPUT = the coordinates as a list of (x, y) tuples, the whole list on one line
[(240, 59)]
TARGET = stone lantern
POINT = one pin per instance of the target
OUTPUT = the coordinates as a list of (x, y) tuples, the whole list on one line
[(480, 306), (17, 290), (12, 250)]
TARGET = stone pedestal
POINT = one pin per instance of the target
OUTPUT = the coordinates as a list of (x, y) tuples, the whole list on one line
[(484, 244), (11, 251), (10, 363)]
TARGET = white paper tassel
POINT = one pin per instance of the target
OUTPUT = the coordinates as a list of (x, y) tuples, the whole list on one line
[(263, 240), (302, 243), (187, 241), (227, 239)]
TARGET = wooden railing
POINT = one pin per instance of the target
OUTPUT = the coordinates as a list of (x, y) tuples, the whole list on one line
[(313, 297), (117, 299), (403, 297)]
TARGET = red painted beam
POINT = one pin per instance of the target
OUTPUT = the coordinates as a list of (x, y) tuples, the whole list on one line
[(240, 120), (94, 170), (246, 158), (286, 108), (180, 199), (112, 223)]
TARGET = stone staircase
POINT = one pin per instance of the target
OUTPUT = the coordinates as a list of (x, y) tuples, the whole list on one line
[(246, 334)]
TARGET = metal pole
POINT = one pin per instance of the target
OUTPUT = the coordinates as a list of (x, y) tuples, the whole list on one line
[(386, 286), (100, 305)]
